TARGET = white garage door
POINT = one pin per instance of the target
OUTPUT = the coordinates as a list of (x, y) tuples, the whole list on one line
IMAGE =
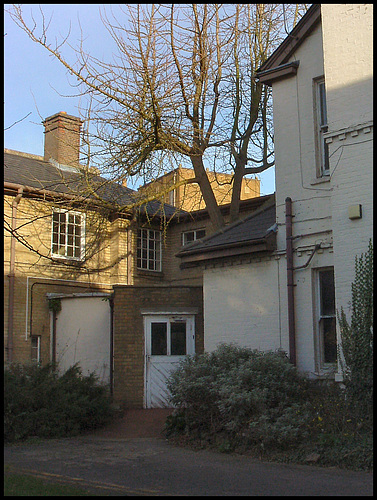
[(83, 335)]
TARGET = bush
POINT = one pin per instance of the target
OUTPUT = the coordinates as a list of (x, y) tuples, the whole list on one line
[(252, 397), (39, 402), (237, 399)]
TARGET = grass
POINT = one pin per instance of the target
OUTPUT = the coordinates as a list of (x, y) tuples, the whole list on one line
[(27, 485)]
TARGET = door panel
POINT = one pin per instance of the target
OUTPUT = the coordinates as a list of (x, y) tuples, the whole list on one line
[(168, 339)]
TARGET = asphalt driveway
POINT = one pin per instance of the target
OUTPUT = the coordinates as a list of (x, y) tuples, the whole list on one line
[(151, 466)]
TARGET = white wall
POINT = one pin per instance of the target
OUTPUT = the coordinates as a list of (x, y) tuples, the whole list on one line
[(242, 302), (296, 171), (348, 60), (242, 305)]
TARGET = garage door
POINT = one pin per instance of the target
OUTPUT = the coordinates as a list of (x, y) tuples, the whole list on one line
[(83, 335)]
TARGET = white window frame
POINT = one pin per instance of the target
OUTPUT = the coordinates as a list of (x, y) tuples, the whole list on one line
[(195, 233), (63, 247), (36, 359), (321, 127), (149, 250), (323, 364)]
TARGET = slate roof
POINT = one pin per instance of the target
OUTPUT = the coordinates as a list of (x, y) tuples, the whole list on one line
[(249, 231), (39, 174)]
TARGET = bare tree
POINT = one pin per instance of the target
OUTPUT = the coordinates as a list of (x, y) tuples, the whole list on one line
[(181, 86)]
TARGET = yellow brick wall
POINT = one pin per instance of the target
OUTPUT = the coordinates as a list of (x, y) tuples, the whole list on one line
[(129, 351), (108, 265), (188, 197)]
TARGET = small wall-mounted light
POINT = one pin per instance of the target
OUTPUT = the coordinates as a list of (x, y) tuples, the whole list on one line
[(354, 212)]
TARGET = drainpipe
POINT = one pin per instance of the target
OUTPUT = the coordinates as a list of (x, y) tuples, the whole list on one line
[(11, 275), (290, 283)]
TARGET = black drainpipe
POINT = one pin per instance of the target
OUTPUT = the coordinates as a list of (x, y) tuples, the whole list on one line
[(290, 283)]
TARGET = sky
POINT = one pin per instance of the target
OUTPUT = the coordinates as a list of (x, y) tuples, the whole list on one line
[(36, 85)]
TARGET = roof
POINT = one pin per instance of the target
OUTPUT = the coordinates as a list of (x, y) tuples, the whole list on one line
[(34, 172), (248, 235), (278, 65)]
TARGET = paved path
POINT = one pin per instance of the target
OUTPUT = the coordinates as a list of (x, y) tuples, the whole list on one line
[(118, 461), (151, 466)]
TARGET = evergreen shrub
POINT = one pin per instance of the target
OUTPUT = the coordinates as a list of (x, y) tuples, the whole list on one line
[(356, 353), (39, 402), (249, 396)]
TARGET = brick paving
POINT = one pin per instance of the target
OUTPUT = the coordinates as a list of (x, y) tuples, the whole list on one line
[(143, 423)]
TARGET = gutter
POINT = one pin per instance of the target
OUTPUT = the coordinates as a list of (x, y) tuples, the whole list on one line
[(53, 195), (11, 274)]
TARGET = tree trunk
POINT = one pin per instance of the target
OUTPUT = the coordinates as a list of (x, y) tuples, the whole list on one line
[(207, 192), (236, 191)]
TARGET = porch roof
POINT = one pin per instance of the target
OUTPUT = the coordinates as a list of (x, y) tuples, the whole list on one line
[(251, 234)]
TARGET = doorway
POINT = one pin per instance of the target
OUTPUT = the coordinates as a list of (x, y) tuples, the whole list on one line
[(168, 339)]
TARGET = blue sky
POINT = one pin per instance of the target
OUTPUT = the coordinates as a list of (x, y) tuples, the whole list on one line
[(36, 83)]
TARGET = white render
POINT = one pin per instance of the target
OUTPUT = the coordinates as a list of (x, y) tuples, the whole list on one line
[(235, 297), (348, 60), (250, 310)]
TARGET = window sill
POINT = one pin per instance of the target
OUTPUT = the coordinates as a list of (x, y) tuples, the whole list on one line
[(327, 371), (145, 272), (59, 259), (320, 180)]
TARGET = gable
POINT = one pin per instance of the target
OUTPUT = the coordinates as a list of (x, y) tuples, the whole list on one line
[(277, 65)]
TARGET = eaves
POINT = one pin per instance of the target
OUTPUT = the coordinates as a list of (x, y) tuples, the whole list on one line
[(276, 65), (262, 245)]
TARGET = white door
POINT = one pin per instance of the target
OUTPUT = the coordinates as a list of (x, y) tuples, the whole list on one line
[(168, 339)]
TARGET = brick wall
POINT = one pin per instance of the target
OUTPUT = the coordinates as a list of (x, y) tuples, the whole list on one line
[(129, 333), (54, 276)]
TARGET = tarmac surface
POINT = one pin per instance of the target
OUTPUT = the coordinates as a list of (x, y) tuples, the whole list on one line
[(132, 458)]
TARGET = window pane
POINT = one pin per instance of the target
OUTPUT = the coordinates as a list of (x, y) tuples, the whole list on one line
[(329, 340), (149, 254), (178, 338), (188, 237), (159, 339), (35, 348), (327, 291), (322, 103)]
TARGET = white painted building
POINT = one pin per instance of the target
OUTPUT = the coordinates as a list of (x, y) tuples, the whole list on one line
[(321, 78)]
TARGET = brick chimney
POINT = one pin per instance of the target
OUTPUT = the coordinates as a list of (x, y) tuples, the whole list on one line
[(62, 138)]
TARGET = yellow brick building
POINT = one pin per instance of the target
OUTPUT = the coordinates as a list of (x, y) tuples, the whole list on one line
[(174, 189), (83, 279)]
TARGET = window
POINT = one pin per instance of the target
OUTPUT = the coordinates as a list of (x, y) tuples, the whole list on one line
[(68, 229), (36, 349), (168, 338), (149, 249), (172, 197), (190, 236), (321, 127), (327, 318)]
